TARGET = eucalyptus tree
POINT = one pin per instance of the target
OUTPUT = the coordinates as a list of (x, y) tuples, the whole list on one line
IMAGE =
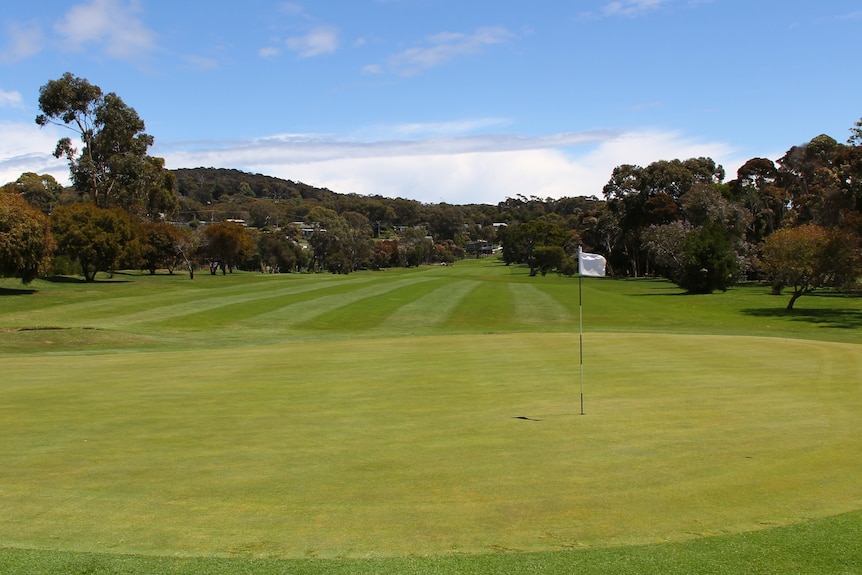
[(652, 196), (823, 179), (758, 189), (112, 167)]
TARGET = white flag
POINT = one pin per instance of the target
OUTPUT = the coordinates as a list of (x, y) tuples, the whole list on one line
[(592, 265)]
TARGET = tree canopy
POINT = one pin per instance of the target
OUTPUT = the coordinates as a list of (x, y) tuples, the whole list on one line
[(101, 239), (112, 168), (809, 257), (26, 242)]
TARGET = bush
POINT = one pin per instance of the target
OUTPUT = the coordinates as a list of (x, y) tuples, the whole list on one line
[(709, 261)]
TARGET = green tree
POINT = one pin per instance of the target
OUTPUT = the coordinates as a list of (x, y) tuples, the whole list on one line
[(758, 189), (521, 242), (809, 257), (279, 254), (187, 246), (550, 258), (666, 246), (228, 245), (824, 180), (112, 168), (356, 239), (326, 240), (709, 260), (26, 243), (159, 246), (652, 196), (42, 192), (855, 138), (101, 239)]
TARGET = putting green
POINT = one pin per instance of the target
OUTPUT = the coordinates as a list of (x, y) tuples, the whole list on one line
[(428, 444)]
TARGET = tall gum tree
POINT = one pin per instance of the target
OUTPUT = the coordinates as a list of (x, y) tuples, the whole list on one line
[(112, 168)]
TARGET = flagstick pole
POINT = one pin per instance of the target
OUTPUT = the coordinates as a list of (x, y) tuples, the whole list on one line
[(581, 336)]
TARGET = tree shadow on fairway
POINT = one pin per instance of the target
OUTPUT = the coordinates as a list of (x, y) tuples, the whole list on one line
[(657, 287), (79, 280), (835, 318), (64, 279), (13, 291)]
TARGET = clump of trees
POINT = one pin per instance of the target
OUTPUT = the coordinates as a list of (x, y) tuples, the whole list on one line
[(794, 223), (100, 239)]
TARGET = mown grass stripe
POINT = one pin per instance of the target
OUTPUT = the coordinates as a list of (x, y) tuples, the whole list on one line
[(486, 305), (429, 310), (109, 304), (366, 315), (534, 306), (214, 312), (304, 313), (205, 301)]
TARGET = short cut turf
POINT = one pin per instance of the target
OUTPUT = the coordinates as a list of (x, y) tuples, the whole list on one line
[(422, 412)]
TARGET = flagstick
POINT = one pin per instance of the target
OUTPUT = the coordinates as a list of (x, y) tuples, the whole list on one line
[(581, 335)]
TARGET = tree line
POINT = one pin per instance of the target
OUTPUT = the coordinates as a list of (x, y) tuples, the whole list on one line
[(795, 223)]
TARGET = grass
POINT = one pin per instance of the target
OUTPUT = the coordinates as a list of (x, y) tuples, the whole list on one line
[(371, 423)]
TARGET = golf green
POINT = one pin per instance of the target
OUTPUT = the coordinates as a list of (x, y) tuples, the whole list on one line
[(427, 412)]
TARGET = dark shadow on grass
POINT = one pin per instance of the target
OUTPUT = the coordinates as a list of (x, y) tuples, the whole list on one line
[(80, 280), (64, 279), (16, 291), (661, 288), (835, 318)]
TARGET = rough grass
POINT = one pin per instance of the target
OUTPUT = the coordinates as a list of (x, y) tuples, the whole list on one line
[(380, 415)]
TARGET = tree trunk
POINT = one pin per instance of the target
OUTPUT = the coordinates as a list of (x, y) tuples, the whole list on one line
[(793, 299)]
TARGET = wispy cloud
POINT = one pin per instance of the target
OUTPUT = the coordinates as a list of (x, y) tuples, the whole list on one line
[(113, 25), (414, 130), (446, 46), (631, 7), (268, 52), (628, 8), (483, 168), (10, 99), (320, 40), (201, 62), (291, 8), (23, 39)]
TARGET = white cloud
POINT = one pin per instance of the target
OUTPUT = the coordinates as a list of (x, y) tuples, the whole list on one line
[(23, 39), (373, 69), (455, 169), (112, 24), (291, 8), (458, 170), (201, 62), (320, 40), (268, 52), (10, 99), (27, 148), (631, 7), (446, 46)]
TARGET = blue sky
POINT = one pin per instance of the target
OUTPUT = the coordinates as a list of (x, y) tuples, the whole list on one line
[(441, 100)]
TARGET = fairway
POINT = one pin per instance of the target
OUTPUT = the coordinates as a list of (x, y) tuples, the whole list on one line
[(418, 412)]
